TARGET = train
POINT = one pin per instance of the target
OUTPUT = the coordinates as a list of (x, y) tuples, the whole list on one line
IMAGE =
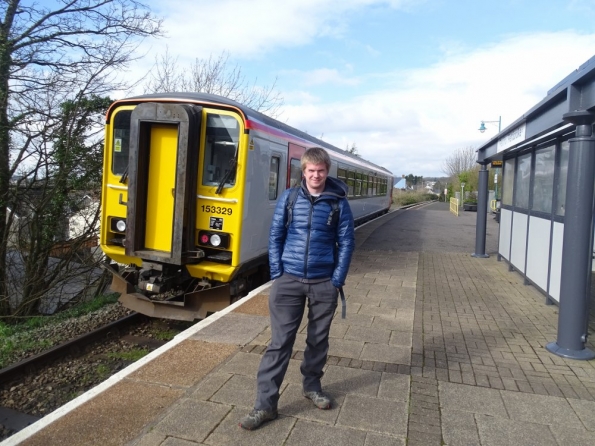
[(190, 184)]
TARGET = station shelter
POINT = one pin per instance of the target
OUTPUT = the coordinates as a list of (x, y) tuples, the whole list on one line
[(547, 157)]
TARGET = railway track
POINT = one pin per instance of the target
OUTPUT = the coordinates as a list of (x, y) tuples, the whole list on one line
[(44, 382), (71, 346)]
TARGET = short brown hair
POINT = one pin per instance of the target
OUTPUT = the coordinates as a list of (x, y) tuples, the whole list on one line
[(316, 155)]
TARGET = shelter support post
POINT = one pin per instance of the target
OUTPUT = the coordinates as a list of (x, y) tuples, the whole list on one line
[(573, 315), (482, 214)]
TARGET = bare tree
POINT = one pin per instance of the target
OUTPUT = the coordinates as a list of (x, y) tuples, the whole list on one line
[(462, 160), (215, 76), (57, 65), (353, 149)]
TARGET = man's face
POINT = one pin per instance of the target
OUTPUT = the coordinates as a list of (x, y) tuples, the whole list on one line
[(315, 175)]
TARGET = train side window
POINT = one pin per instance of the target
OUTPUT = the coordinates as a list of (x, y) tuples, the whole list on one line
[(295, 172), (121, 141), (221, 150), (350, 183), (358, 184), (274, 177), (342, 174)]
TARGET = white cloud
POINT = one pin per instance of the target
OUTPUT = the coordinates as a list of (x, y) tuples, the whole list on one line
[(321, 76), (199, 28), (427, 113)]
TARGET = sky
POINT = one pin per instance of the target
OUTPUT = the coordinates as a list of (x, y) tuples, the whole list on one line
[(407, 81)]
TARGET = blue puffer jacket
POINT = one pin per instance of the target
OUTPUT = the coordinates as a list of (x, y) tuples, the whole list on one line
[(310, 248)]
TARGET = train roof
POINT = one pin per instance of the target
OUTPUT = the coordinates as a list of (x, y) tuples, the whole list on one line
[(251, 115)]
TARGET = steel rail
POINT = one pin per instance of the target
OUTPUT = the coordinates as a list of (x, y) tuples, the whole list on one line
[(72, 345)]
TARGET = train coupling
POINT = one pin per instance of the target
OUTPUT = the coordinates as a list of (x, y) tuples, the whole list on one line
[(185, 306)]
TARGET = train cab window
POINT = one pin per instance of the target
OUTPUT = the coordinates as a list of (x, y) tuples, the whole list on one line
[(121, 141), (295, 172), (221, 150), (274, 178)]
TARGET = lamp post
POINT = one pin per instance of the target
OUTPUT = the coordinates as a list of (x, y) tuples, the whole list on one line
[(482, 128), (462, 193)]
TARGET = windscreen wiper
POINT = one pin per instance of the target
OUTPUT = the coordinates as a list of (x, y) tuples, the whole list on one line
[(233, 164), (124, 176)]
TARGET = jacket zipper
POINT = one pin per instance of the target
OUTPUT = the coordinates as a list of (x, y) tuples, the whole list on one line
[(308, 239)]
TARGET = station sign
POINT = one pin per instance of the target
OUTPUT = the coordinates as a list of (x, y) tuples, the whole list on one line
[(496, 164), (513, 137)]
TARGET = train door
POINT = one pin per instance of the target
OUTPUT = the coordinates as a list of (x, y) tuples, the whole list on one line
[(161, 182), (162, 166), (294, 166)]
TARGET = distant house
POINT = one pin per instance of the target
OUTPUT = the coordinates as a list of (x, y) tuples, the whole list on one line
[(75, 238)]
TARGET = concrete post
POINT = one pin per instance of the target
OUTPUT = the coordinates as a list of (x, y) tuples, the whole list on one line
[(573, 316), (482, 214)]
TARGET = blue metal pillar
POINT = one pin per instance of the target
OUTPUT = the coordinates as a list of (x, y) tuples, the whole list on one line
[(573, 316), (482, 214)]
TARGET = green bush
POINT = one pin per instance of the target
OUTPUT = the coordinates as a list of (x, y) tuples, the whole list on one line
[(411, 197)]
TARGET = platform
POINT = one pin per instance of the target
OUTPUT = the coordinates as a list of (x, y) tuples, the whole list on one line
[(438, 347)]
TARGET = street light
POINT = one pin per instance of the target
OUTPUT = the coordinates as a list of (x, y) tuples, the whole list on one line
[(462, 193), (482, 128)]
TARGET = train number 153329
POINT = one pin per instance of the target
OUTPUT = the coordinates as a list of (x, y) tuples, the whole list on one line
[(216, 210)]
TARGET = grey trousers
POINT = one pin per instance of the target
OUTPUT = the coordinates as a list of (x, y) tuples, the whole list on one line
[(286, 305)]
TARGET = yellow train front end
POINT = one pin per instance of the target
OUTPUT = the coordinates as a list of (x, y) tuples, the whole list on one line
[(172, 193)]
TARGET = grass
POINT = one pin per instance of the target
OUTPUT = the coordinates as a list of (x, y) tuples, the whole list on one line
[(165, 335), (103, 371), (411, 197), (21, 337), (132, 355)]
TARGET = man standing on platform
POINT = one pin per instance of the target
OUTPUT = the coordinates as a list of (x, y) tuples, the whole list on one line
[(310, 247)]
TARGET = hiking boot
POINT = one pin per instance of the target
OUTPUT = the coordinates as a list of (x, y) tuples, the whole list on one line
[(319, 399), (256, 417)]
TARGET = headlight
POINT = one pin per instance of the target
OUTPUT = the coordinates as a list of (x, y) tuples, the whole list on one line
[(118, 224), (219, 240), (215, 240), (121, 225)]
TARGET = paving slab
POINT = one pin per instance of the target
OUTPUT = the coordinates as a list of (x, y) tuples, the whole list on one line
[(394, 386), (192, 420), (575, 437), (346, 380), (228, 433), (373, 439), (540, 409), (310, 433), (393, 354), (496, 431), (367, 334), (345, 348), (585, 411), (238, 391), (235, 328), (374, 414)]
